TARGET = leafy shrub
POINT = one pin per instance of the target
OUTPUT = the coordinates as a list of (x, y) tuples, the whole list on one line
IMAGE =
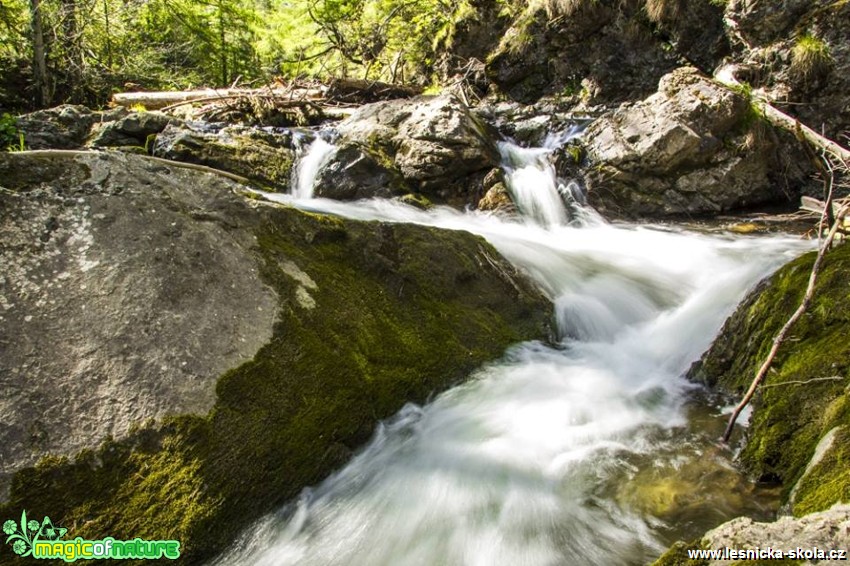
[(10, 137)]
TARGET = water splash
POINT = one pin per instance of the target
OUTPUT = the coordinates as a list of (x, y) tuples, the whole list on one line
[(521, 465), (311, 160), (535, 187)]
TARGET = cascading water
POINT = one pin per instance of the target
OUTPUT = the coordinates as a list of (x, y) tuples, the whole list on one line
[(536, 189), (311, 160), (530, 462)]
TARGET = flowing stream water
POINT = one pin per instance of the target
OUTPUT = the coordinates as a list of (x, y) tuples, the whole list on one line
[(591, 450)]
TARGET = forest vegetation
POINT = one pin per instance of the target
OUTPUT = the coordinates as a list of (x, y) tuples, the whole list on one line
[(80, 51)]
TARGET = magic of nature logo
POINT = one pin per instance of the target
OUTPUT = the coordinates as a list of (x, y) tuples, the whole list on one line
[(44, 540)]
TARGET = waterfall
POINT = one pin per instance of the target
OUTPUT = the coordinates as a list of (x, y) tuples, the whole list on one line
[(311, 159), (526, 463), (534, 185)]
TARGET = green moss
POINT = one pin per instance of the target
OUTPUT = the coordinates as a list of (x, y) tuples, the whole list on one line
[(828, 482), (400, 312), (789, 419), (417, 200), (677, 555)]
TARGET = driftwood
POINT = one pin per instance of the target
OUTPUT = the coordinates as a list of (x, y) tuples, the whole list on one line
[(783, 333), (361, 91)]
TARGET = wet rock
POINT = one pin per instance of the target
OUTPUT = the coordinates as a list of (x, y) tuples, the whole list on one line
[(437, 145), (132, 130), (694, 147), (353, 172), (529, 125), (498, 199), (263, 156), (63, 127)]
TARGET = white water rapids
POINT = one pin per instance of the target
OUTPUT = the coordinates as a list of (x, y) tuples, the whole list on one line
[(518, 466)]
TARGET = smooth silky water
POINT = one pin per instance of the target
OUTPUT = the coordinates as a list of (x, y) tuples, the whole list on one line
[(591, 449)]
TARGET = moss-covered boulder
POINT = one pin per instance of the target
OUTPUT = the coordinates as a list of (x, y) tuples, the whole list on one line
[(326, 326), (799, 431), (789, 417), (265, 157)]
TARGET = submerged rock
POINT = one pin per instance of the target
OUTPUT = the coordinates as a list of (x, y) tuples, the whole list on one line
[(694, 147), (178, 359), (262, 156)]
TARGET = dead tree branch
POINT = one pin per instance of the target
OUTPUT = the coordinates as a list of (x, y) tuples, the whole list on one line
[(783, 333)]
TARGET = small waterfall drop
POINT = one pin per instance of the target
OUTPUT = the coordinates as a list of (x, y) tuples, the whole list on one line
[(533, 184), (533, 461), (311, 159), (535, 187)]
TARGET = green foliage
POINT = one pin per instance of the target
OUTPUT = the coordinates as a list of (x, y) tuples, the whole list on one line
[(96, 48), (10, 138), (390, 40)]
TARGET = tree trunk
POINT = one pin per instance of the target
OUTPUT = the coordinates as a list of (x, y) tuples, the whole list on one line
[(39, 63), (222, 35), (73, 50)]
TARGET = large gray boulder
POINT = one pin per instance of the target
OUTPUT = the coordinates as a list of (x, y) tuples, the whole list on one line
[(177, 359), (135, 129), (693, 147), (63, 127), (437, 145)]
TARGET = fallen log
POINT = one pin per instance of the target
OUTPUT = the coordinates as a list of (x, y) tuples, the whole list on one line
[(726, 76), (362, 91), (160, 100), (353, 91)]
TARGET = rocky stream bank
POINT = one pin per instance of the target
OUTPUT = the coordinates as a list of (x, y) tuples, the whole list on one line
[(179, 356)]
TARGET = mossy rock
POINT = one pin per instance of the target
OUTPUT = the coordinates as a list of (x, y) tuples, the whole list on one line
[(677, 555), (370, 316), (790, 419)]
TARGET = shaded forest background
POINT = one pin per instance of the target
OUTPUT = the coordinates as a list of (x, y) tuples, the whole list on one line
[(81, 51)]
